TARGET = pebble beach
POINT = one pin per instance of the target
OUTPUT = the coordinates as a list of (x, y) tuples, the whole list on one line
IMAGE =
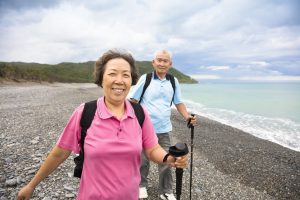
[(227, 162)]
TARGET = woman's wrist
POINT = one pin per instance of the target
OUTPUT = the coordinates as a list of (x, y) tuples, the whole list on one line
[(169, 159), (166, 158)]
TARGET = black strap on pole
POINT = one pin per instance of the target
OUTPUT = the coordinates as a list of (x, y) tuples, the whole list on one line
[(180, 149), (191, 161)]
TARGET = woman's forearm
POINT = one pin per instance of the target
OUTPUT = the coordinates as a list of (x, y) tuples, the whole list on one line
[(54, 159), (157, 155)]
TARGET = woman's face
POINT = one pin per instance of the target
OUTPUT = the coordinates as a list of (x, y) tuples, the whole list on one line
[(116, 80)]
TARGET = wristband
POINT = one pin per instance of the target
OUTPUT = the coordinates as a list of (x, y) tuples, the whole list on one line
[(166, 157)]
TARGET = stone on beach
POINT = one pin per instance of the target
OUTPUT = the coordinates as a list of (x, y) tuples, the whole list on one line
[(228, 163)]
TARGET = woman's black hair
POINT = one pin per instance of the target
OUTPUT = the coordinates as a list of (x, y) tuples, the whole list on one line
[(112, 54)]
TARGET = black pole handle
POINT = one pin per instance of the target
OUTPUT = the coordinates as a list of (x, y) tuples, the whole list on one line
[(179, 174), (180, 149)]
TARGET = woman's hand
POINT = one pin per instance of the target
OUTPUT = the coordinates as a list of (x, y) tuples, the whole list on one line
[(25, 193), (178, 162), (54, 159)]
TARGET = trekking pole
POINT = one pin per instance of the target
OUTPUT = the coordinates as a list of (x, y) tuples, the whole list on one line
[(180, 149), (191, 126)]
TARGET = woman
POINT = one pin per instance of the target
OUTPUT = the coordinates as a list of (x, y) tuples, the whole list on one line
[(114, 141)]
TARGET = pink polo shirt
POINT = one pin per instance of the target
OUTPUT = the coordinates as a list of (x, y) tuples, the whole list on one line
[(112, 152)]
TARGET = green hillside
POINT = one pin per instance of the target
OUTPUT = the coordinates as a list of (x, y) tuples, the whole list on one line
[(68, 72)]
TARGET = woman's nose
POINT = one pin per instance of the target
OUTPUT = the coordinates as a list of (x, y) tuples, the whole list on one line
[(119, 79)]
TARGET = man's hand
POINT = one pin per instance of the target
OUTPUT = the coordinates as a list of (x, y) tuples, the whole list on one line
[(192, 120)]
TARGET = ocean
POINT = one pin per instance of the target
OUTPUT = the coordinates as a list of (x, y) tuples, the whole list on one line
[(270, 111)]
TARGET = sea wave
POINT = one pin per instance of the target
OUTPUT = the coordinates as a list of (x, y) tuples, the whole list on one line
[(282, 131)]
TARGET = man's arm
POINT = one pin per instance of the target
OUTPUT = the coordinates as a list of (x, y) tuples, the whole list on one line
[(183, 111)]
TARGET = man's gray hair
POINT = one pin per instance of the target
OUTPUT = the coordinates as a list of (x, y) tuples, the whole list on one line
[(163, 52)]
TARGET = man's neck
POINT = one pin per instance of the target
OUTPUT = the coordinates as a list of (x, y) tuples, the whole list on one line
[(161, 75)]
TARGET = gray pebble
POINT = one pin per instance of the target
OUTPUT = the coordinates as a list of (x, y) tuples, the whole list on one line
[(32, 118), (11, 182)]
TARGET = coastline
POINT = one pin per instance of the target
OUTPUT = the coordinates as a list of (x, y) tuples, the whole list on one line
[(228, 163), (253, 162)]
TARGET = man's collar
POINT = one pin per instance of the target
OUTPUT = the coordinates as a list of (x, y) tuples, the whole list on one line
[(157, 77)]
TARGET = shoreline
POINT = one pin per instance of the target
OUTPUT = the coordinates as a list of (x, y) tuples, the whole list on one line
[(257, 163), (239, 129), (26, 83), (228, 163)]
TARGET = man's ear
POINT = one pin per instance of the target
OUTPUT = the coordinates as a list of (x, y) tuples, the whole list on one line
[(153, 62), (171, 63)]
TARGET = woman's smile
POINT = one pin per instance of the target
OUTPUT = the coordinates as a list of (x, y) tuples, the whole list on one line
[(118, 90)]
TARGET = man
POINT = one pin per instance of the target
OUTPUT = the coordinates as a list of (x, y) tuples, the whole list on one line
[(158, 98)]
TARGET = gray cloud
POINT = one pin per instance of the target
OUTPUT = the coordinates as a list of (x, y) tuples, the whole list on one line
[(25, 4), (208, 33)]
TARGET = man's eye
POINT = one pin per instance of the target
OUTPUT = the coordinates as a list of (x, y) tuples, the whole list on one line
[(162, 60)]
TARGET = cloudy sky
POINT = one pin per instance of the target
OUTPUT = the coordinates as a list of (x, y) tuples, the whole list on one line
[(212, 40)]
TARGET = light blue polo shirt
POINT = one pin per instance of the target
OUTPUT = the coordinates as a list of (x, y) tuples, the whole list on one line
[(157, 99)]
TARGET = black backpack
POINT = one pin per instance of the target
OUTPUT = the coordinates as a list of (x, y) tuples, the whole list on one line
[(148, 80), (86, 121)]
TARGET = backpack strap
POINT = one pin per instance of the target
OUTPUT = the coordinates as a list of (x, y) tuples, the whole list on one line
[(172, 80), (87, 117), (89, 113), (86, 120), (147, 83), (139, 112)]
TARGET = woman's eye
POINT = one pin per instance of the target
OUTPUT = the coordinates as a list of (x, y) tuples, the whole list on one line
[(126, 75), (112, 74)]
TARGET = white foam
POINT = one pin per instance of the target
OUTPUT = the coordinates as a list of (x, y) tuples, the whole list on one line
[(278, 130)]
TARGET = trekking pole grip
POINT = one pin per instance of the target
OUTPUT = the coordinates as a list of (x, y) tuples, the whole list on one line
[(189, 124), (180, 149)]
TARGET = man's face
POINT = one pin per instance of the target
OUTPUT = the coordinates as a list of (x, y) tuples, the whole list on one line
[(162, 63)]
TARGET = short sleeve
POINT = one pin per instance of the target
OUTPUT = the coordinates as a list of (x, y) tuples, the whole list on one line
[(136, 91), (177, 95), (70, 137)]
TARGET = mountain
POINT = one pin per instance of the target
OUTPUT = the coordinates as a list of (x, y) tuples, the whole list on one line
[(68, 72)]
